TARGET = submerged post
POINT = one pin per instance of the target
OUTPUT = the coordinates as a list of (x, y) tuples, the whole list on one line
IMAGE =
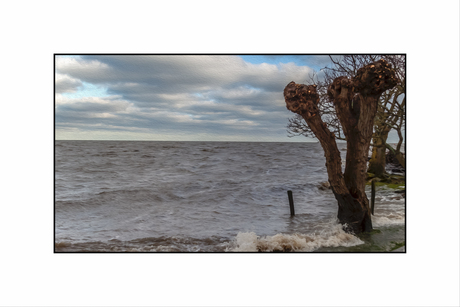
[(291, 202), (372, 196)]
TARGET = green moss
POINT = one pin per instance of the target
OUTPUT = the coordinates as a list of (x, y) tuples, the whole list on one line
[(389, 185), (397, 245), (372, 232), (387, 180), (366, 236)]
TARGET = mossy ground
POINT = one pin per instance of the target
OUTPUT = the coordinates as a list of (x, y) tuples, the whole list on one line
[(397, 245), (384, 239), (389, 185), (388, 180)]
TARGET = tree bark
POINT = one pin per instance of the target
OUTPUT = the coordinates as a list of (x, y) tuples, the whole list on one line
[(399, 156), (390, 111), (356, 102), (378, 158)]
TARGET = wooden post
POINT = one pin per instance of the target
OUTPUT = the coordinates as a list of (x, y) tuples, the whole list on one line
[(372, 196), (291, 202)]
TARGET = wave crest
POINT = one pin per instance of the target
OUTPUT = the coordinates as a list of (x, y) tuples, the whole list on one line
[(250, 242)]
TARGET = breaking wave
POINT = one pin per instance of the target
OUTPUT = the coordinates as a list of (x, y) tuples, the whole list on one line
[(333, 237), (379, 221), (116, 196)]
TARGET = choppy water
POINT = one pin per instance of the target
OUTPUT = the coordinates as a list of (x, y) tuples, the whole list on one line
[(117, 196)]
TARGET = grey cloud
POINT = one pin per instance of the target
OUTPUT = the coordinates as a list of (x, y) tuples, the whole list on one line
[(96, 111), (66, 84), (91, 107), (127, 75), (153, 70), (173, 93)]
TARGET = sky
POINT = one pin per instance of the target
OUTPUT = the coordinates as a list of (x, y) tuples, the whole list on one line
[(177, 97)]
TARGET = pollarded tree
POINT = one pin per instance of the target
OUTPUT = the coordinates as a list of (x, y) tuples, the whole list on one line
[(297, 125), (390, 112), (355, 101)]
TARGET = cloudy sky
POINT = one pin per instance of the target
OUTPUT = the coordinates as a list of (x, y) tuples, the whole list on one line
[(177, 97)]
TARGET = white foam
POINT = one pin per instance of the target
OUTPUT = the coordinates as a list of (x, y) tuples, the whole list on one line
[(333, 237), (378, 221)]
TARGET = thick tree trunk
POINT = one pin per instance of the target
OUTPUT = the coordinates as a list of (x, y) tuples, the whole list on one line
[(356, 102), (378, 159)]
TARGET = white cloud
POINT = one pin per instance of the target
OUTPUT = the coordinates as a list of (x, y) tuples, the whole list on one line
[(200, 93), (66, 84), (82, 69)]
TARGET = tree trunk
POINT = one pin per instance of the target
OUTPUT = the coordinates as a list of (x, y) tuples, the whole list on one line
[(378, 159), (356, 102), (399, 156)]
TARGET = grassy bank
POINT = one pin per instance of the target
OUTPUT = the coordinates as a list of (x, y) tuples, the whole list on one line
[(388, 180)]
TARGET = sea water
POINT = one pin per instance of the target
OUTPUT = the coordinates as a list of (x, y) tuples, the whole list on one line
[(133, 196)]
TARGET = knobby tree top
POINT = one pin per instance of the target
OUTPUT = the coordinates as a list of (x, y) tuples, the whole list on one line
[(355, 101), (370, 80)]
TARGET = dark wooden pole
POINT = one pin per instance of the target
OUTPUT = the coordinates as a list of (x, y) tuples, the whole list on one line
[(291, 202), (372, 196)]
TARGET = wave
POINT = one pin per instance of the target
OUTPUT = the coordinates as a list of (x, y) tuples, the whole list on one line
[(393, 219), (333, 237), (329, 235), (150, 244)]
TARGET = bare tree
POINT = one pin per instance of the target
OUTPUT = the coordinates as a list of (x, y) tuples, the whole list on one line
[(326, 110), (390, 112), (356, 102)]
